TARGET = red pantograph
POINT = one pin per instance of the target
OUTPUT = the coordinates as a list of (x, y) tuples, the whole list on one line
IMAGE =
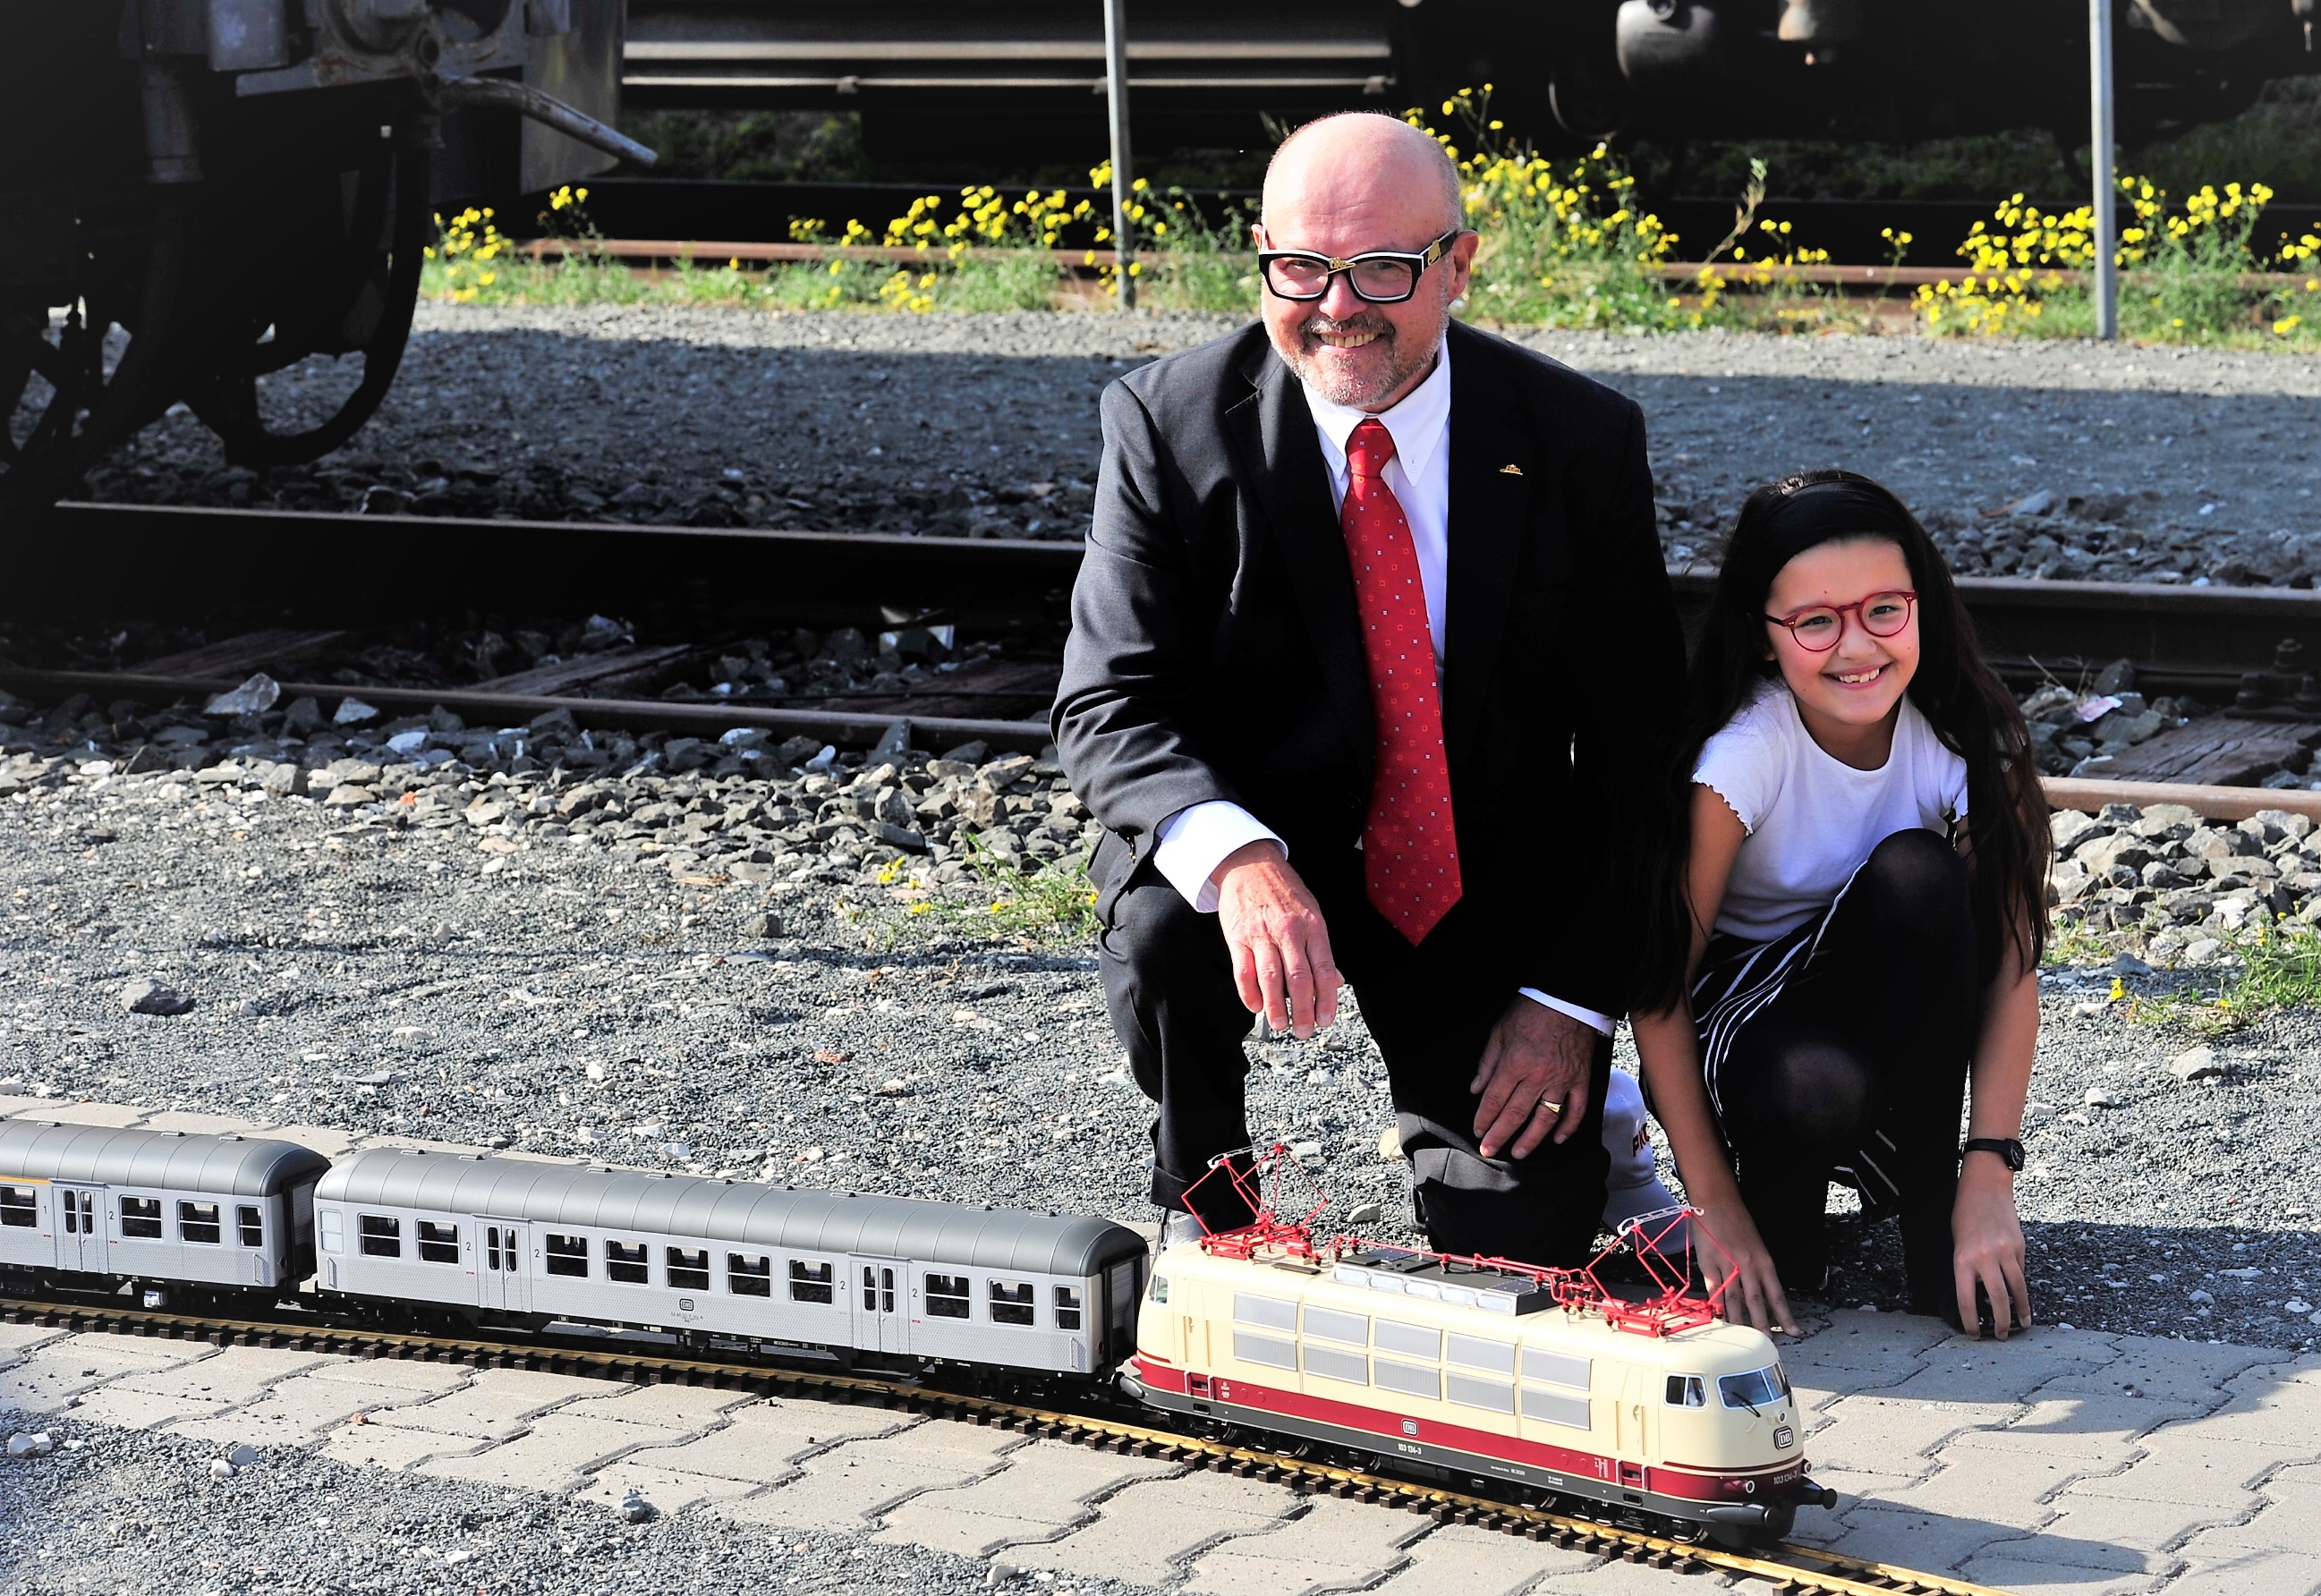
[(1410, 852)]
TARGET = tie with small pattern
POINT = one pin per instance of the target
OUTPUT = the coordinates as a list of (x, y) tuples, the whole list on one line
[(1410, 852)]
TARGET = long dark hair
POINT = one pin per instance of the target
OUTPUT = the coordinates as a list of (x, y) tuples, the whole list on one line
[(1970, 708)]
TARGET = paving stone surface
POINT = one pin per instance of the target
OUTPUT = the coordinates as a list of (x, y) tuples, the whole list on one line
[(1039, 1493), (849, 1487), (2066, 1462), (1146, 1533), (1457, 1560), (492, 1404), (54, 1373), (764, 1442), (1334, 1545)]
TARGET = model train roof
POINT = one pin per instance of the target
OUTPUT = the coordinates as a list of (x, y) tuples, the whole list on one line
[(171, 1160), (772, 1216)]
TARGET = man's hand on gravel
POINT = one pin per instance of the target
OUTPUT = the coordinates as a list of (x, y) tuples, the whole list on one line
[(1281, 948)]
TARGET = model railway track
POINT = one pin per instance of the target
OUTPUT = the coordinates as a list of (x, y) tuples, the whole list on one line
[(1786, 1566), (299, 579)]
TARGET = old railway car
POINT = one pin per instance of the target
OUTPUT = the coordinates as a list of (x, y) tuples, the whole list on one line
[(163, 1213), (881, 1281), (1462, 1369), (230, 186)]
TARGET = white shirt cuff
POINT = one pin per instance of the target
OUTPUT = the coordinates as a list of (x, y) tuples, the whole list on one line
[(1195, 840), (1601, 1022)]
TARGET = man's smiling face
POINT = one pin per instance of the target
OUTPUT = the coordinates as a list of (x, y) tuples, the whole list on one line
[(1343, 187)]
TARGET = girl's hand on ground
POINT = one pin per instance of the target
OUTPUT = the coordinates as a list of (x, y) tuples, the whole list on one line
[(1753, 1295), (1988, 1250)]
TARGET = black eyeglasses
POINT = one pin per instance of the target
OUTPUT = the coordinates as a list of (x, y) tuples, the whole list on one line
[(1381, 276)]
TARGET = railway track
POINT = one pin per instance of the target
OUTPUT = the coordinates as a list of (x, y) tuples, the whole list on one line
[(1786, 1566), (755, 212), (298, 586)]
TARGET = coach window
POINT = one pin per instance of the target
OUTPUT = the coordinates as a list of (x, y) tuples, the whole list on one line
[(1160, 1289), (1011, 1302), (19, 1205), (625, 1261), (198, 1221), (382, 1237), (812, 1281), (688, 1268), (568, 1255), (1686, 1391), (949, 1297), (141, 1216), (252, 1226), (438, 1244), (334, 1229), (748, 1274), (1068, 1308)]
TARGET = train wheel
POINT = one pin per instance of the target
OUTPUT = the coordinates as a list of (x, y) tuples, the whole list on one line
[(93, 406), (360, 302)]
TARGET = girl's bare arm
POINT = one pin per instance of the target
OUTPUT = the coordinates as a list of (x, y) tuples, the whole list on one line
[(1668, 1049), (1987, 1233)]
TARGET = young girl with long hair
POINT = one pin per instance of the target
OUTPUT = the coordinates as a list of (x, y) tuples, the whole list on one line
[(1850, 924)]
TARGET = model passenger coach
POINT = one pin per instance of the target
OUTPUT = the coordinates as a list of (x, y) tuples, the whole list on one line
[(721, 1262), (163, 1211)]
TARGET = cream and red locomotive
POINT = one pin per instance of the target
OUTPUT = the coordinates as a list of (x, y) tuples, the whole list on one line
[(1463, 1369)]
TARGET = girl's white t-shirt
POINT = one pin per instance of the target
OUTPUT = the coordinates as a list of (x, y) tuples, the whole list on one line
[(1812, 819)]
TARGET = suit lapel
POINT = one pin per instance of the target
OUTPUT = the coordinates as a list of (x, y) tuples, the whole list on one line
[(1490, 515), (1273, 438)]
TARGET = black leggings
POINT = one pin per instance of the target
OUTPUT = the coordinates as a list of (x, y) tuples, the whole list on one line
[(1873, 1037)]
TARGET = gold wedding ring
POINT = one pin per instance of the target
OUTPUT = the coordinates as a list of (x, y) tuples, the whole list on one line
[(1553, 1108)]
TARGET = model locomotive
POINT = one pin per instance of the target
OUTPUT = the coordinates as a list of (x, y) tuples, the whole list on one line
[(1538, 1384)]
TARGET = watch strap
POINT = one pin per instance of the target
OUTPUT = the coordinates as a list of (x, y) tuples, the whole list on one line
[(2009, 1150)]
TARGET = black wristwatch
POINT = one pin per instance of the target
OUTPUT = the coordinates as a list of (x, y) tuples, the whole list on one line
[(2008, 1150)]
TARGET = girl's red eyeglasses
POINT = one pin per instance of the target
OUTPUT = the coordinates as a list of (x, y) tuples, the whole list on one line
[(1818, 627)]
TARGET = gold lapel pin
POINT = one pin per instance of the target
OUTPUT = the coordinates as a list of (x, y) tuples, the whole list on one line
[(1511, 470)]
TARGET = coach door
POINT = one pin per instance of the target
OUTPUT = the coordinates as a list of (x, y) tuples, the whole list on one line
[(503, 1281), (881, 1294), (80, 1228)]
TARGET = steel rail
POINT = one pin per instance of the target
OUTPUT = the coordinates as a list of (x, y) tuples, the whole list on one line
[(1733, 276), (321, 566), (710, 717), (1810, 1569)]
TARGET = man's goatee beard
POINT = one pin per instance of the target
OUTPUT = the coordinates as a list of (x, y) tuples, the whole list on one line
[(1336, 387)]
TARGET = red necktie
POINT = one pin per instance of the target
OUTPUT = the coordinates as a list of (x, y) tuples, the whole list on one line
[(1410, 852)]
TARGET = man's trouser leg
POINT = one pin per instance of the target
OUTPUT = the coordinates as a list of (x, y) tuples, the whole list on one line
[(1168, 981), (1432, 1009)]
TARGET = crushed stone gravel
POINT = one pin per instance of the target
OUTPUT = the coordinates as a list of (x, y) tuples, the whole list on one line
[(2056, 459), (384, 968)]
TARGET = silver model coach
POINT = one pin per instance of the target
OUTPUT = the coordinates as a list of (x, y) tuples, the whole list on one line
[(86, 1205), (725, 1262)]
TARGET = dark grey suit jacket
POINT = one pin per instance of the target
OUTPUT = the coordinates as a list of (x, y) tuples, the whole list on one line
[(1214, 650)]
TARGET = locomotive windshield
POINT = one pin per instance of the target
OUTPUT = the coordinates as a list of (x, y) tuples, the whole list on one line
[(1756, 1389)]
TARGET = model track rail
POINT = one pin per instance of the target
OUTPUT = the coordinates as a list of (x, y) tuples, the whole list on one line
[(1787, 1566)]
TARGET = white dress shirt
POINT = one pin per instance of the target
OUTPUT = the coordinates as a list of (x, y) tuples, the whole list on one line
[(1195, 840)]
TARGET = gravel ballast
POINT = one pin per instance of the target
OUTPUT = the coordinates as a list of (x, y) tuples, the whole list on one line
[(2058, 459), (418, 959)]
